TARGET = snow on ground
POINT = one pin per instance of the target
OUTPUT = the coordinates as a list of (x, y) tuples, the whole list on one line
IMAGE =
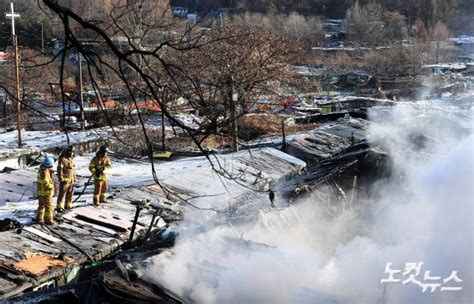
[(46, 139), (194, 178), (35, 141), (124, 173), (25, 211)]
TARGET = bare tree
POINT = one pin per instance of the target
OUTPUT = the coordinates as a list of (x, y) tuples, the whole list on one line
[(373, 25), (245, 62), (438, 34), (398, 61), (303, 30), (364, 23), (420, 32), (204, 67)]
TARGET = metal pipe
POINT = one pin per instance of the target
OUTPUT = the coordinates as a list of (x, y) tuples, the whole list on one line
[(135, 220), (81, 98), (151, 224)]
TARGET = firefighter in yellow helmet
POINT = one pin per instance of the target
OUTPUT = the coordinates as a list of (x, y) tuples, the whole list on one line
[(98, 166), (66, 177), (45, 192)]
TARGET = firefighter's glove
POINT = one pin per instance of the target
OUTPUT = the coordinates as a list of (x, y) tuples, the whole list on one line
[(99, 172)]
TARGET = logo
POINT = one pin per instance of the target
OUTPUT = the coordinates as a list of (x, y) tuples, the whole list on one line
[(412, 275)]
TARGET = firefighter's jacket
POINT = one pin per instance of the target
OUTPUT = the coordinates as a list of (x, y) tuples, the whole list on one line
[(102, 163), (66, 170), (45, 183)]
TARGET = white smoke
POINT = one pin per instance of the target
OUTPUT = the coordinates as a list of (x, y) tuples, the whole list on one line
[(316, 253)]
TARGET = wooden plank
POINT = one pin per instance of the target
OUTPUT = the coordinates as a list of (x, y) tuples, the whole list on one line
[(71, 216), (107, 240), (7, 253), (106, 221), (43, 235), (75, 229), (6, 286), (19, 243)]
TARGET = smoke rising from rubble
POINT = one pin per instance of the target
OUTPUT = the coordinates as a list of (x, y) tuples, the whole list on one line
[(316, 253)]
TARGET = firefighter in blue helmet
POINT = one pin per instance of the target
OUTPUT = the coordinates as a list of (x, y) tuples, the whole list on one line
[(45, 212)]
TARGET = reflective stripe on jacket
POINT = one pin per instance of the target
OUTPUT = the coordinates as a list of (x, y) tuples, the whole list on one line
[(45, 183), (66, 169), (102, 163)]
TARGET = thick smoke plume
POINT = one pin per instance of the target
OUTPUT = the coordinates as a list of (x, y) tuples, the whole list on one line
[(313, 252)]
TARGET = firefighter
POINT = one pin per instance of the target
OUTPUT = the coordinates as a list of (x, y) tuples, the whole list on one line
[(67, 178), (98, 166), (45, 192)]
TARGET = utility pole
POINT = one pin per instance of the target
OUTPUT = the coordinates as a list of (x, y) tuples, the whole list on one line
[(14, 15), (42, 37), (81, 98), (233, 116), (163, 130), (284, 135), (437, 46)]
